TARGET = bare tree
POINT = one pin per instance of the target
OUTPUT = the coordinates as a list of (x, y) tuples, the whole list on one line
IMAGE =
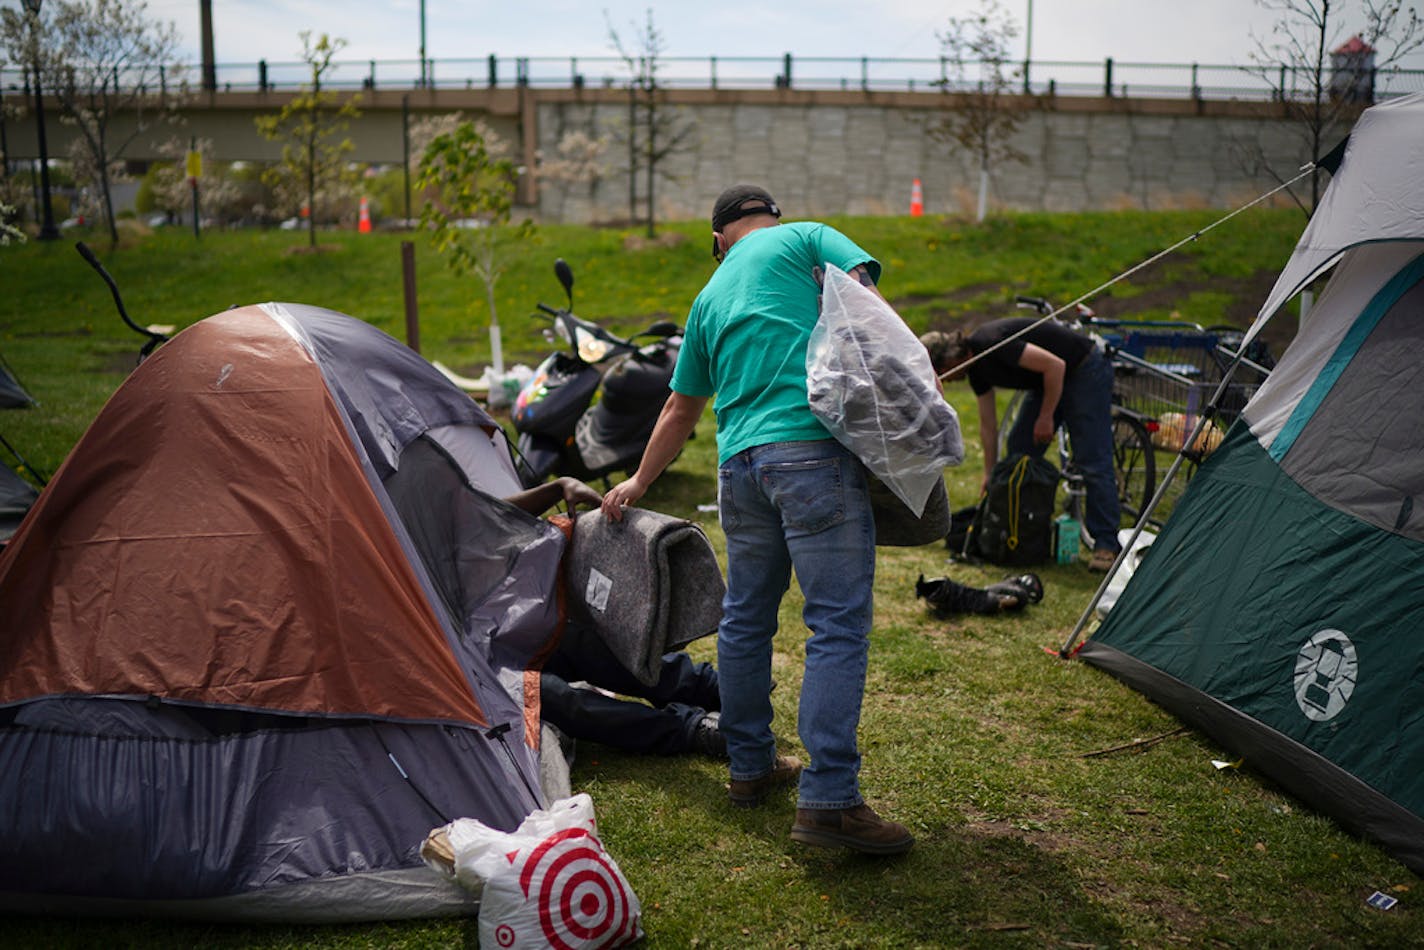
[(983, 112), (313, 166), (100, 58), (1296, 60), (664, 132)]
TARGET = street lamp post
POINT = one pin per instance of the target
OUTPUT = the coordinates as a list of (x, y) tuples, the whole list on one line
[(424, 74), (48, 232)]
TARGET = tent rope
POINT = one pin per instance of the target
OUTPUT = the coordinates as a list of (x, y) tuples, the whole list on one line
[(1204, 419), (1067, 650), (1305, 170)]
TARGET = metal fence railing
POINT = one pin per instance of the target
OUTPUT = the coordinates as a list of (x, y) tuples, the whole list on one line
[(877, 74)]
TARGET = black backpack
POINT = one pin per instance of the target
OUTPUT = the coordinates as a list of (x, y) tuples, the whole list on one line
[(1014, 522)]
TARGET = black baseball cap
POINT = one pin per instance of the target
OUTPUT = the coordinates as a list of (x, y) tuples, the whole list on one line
[(729, 205)]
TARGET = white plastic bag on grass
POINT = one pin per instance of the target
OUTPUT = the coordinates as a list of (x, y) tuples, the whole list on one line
[(1129, 567), (548, 883), (871, 384)]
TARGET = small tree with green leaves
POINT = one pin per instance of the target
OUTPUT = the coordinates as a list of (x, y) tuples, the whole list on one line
[(313, 169), (468, 183), (984, 113)]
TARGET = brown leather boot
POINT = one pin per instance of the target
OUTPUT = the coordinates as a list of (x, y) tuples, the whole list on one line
[(745, 793), (858, 828)]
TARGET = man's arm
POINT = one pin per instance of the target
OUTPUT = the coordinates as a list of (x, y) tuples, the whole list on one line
[(1052, 369), (675, 423), (988, 433), (541, 498), (862, 274)]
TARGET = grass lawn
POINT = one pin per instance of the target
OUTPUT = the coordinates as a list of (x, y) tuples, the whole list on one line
[(1039, 820)]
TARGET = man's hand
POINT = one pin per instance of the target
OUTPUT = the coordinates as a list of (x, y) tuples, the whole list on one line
[(577, 493), (1043, 429), (622, 495)]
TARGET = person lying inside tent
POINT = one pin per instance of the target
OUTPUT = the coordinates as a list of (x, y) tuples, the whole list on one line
[(578, 678), (946, 597)]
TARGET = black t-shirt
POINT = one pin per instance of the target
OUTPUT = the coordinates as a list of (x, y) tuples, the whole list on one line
[(1001, 369)]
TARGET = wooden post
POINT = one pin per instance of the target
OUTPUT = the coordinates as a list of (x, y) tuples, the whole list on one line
[(412, 315)]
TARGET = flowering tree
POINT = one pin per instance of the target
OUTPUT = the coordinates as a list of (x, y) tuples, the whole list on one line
[(100, 58)]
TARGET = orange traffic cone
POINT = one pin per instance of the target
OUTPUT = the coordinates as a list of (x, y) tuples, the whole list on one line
[(917, 200), (364, 225)]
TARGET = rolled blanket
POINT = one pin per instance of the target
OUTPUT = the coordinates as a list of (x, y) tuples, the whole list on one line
[(647, 585)]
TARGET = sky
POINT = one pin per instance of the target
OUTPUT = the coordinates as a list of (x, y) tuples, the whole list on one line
[(1154, 31)]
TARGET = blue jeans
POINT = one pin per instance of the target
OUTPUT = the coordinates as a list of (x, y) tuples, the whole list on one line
[(1085, 409), (801, 505)]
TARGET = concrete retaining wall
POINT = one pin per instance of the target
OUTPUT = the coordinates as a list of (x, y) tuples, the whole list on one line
[(819, 151), (841, 158)]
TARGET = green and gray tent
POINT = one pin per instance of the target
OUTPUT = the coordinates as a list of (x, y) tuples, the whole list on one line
[(1279, 609)]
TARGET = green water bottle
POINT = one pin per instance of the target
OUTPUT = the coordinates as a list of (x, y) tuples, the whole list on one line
[(1065, 536)]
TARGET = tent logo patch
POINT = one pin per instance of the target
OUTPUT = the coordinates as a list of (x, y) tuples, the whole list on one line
[(1325, 671)]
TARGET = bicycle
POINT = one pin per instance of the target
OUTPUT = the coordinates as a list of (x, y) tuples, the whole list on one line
[(1163, 374)]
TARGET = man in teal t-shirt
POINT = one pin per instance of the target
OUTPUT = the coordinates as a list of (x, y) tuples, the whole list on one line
[(789, 497)]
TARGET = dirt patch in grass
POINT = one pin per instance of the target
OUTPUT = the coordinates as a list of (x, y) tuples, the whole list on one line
[(960, 295), (1034, 831), (640, 242), (1161, 288), (303, 249)]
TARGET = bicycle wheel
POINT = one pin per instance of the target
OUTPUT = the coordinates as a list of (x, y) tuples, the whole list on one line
[(1134, 464)]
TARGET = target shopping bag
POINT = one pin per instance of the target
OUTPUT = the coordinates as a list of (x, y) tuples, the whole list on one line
[(548, 883)]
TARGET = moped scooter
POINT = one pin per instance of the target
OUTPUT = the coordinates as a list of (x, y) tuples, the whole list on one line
[(588, 410)]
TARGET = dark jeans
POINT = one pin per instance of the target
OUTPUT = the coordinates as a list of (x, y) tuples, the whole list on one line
[(1085, 410), (685, 692)]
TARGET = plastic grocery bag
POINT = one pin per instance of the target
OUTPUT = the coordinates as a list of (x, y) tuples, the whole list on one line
[(871, 384), (1129, 566), (548, 883)]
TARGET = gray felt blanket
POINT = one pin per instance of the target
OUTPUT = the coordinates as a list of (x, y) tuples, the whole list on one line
[(648, 585)]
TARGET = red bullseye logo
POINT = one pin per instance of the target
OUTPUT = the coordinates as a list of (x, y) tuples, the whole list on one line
[(579, 892), (504, 935)]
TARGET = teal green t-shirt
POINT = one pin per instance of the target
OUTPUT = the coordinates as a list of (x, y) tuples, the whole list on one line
[(747, 333)]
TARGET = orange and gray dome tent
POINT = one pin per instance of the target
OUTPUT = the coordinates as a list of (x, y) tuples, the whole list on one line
[(268, 625), (16, 494)]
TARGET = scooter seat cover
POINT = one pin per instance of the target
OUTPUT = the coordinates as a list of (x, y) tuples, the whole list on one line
[(647, 585)]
